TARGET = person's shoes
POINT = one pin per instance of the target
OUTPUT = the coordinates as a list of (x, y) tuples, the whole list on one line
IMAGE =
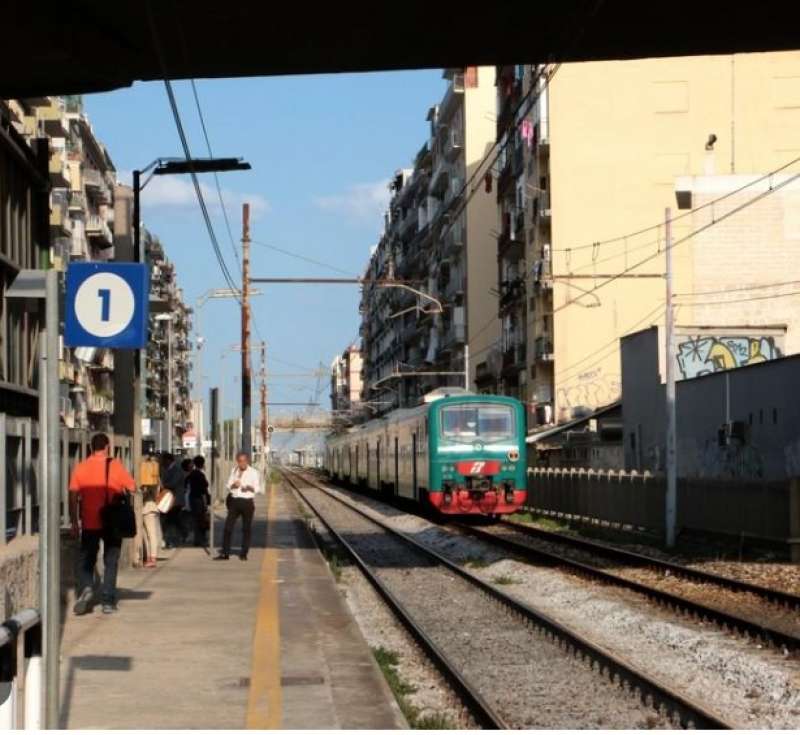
[(243, 557), (84, 602), (108, 608), (150, 563), (221, 557)]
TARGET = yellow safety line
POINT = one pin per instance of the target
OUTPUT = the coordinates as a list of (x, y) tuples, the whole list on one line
[(264, 700)]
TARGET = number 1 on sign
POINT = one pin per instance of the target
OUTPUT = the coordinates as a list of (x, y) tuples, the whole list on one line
[(105, 303)]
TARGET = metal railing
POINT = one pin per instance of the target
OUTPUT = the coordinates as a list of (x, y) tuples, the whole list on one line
[(21, 672)]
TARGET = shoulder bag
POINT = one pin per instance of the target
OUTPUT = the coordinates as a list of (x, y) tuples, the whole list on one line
[(117, 515)]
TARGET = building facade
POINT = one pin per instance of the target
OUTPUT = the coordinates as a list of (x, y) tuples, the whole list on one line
[(436, 243), (603, 147), (167, 360), (346, 382)]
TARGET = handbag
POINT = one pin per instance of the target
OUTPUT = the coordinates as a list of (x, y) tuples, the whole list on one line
[(117, 515), (164, 501)]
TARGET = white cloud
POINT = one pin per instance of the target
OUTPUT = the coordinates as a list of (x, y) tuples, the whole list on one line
[(360, 202), (177, 192)]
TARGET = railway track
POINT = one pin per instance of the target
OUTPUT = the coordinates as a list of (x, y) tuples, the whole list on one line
[(537, 640), (535, 545)]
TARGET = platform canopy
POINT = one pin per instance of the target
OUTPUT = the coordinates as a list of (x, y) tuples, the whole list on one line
[(88, 46)]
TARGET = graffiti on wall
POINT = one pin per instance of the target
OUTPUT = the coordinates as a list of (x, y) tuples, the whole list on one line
[(703, 354), (587, 391)]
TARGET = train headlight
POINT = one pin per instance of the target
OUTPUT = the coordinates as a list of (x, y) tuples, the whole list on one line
[(513, 455)]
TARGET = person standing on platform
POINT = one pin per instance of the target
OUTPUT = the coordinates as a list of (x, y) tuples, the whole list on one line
[(243, 485), (150, 480), (199, 500), (173, 478), (92, 484)]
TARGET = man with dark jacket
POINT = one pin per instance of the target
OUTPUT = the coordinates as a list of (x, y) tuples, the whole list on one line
[(199, 499)]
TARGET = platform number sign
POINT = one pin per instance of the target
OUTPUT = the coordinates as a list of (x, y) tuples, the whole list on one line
[(107, 305)]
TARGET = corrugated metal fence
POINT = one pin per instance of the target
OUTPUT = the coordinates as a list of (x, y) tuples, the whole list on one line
[(764, 510), (19, 470)]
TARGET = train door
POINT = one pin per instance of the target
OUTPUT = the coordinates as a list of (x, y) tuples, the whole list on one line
[(414, 465), (378, 465), (396, 466)]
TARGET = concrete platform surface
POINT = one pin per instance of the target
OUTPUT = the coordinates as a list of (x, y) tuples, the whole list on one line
[(267, 643)]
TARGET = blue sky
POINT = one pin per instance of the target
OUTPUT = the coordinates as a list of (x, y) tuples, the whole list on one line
[(322, 150)]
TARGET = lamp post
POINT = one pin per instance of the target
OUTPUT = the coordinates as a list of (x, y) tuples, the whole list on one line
[(170, 430), (163, 167)]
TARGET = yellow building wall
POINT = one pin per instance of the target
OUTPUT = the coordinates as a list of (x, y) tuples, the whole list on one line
[(483, 326), (621, 133)]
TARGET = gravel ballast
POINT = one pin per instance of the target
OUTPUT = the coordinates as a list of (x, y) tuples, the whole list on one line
[(753, 687), (530, 680)]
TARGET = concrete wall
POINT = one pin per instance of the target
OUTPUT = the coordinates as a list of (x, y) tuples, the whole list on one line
[(621, 133), (762, 395)]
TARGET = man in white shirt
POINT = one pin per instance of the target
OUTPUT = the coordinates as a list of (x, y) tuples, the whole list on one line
[(243, 485)]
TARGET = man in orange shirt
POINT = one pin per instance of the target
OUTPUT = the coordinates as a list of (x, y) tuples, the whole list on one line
[(91, 486)]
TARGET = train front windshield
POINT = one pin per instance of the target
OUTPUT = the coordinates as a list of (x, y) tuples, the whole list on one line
[(486, 422)]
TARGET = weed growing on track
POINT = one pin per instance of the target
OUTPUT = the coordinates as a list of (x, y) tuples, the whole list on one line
[(335, 562), (504, 579), (388, 661)]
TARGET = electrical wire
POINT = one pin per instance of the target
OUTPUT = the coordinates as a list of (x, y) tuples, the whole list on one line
[(736, 289), (303, 258), (216, 177), (187, 152), (687, 213), (703, 228), (765, 297)]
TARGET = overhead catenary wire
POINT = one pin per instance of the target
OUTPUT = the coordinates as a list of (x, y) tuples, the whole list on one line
[(187, 152), (717, 219), (304, 258)]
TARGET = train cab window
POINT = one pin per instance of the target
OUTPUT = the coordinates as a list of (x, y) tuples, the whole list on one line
[(485, 421)]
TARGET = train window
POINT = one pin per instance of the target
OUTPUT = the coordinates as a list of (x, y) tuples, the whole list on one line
[(484, 421)]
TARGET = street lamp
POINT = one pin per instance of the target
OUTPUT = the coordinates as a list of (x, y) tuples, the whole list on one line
[(163, 167), (170, 431)]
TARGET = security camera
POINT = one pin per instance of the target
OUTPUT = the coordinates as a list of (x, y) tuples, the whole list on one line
[(710, 142)]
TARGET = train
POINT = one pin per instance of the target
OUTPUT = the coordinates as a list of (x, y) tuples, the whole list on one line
[(457, 453)]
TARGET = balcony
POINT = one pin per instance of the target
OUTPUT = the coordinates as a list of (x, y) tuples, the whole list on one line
[(514, 358), (541, 137), (511, 241), (543, 274), (543, 349), (508, 107), (97, 403), (59, 213), (512, 293), (454, 239), (96, 184), (98, 232), (453, 145), (441, 177), (455, 91), (540, 208), (77, 201)]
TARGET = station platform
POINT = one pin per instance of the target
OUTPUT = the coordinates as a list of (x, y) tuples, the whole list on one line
[(264, 644)]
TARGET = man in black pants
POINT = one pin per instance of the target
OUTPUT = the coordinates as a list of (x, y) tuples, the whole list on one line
[(243, 485)]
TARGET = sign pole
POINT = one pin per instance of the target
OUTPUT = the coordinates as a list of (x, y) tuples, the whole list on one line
[(671, 510), (50, 504)]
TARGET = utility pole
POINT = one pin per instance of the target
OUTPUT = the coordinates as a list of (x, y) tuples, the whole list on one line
[(672, 469), (263, 376), (247, 435)]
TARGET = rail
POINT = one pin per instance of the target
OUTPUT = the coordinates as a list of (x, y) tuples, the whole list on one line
[(21, 672), (703, 612), (479, 709), (689, 712)]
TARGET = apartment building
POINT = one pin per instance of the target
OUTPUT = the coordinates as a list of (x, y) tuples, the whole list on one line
[(346, 381), (437, 242), (582, 188), (167, 407), (81, 213)]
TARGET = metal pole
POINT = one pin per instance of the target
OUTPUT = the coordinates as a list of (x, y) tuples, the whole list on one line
[(247, 435), (466, 365), (170, 430), (214, 409), (672, 469), (50, 503), (136, 437)]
